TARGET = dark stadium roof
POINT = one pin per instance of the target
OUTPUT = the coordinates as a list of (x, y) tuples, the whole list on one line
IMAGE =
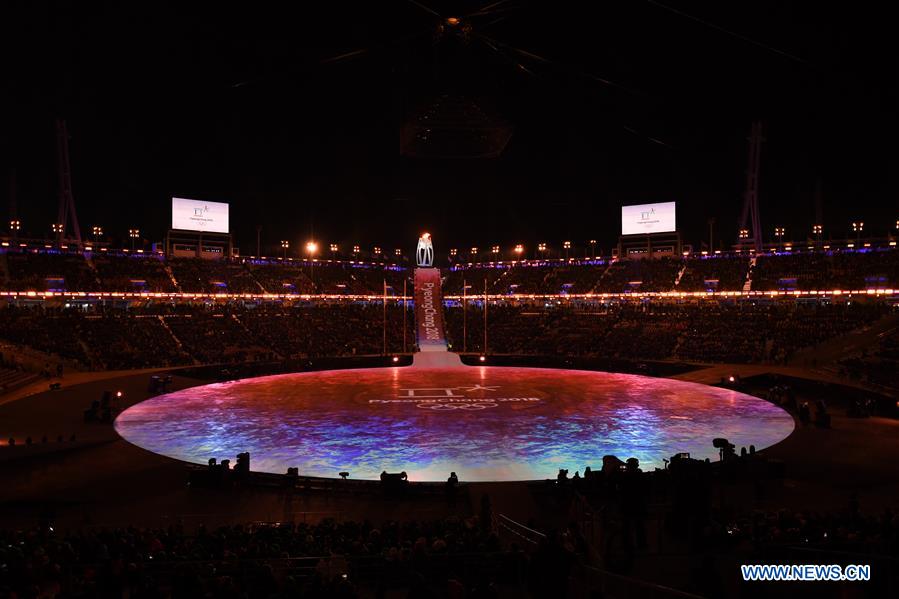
[(294, 115)]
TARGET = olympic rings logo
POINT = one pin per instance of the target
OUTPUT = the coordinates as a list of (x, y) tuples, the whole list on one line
[(443, 407)]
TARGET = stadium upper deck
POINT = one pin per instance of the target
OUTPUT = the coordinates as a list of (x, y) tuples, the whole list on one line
[(41, 271)]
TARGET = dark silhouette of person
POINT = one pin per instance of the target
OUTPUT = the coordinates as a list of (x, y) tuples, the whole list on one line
[(633, 504), (451, 484)]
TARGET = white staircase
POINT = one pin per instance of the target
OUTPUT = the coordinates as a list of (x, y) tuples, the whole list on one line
[(605, 272), (93, 268), (747, 285), (177, 341), (168, 271), (680, 274)]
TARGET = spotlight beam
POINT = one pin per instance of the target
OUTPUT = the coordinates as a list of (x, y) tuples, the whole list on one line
[(487, 13), (498, 47), (515, 64), (491, 6), (562, 66), (733, 34), (330, 60), (425, 8)]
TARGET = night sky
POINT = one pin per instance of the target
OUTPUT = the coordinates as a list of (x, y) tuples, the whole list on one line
[(239, 103)]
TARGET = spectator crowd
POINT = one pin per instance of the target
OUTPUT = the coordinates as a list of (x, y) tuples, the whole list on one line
[(53, 270), (703, 330), (158, 334)]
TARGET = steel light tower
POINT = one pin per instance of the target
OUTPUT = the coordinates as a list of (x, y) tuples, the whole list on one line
[(750, 221), (66, 214)]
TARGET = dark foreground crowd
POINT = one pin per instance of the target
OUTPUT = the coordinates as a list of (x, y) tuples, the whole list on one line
[(450, 557)]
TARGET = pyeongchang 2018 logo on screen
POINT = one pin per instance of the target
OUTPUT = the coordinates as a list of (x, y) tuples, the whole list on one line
[(194, 215), (648, 218)]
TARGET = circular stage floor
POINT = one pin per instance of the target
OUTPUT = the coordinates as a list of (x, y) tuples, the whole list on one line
[(485, 423)]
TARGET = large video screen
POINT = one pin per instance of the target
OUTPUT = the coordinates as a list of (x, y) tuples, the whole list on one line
[(648, 218), (196, 215)]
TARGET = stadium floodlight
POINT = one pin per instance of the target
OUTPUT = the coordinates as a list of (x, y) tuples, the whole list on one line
[(133, 234), (284, 245), (311, 248), (857, 227), (566, 245), (779, 233), (593, 247)]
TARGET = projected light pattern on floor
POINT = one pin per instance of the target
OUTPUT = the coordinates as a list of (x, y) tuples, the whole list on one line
[(485, 423)]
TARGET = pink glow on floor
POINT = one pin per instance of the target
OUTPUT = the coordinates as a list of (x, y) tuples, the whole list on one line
[(485, 423)]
